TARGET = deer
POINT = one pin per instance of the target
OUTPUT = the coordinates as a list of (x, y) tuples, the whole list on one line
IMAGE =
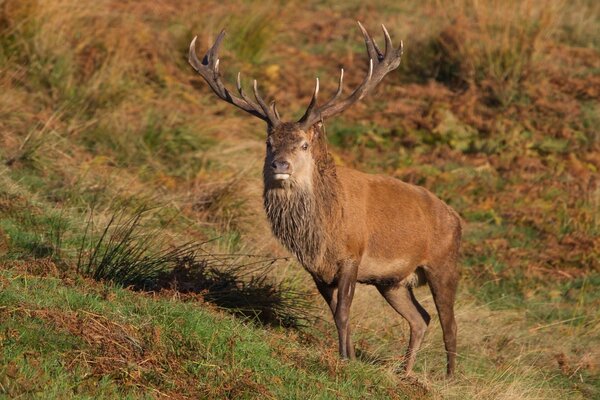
[(345, 226)]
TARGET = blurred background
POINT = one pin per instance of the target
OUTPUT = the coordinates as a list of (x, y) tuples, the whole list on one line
[(108, 138)]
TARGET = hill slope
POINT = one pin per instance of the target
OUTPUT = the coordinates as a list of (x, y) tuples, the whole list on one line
[(495, 109)]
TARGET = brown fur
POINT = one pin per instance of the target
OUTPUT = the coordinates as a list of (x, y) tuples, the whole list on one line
[(345, 226), (305, 220), (386, 232)]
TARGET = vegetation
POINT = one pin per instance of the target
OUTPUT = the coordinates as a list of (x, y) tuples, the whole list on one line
[(130, 207)]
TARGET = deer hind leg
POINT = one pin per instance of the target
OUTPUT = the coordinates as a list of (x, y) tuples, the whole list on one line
[(402, 299), (443, 285), (330, 295)]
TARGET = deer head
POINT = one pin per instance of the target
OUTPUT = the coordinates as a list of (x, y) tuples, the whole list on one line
[(293, 147)]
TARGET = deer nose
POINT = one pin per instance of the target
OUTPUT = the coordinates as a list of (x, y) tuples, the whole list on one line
[(281, 166)]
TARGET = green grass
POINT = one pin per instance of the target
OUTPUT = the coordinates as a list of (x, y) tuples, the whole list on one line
[(215, 355)]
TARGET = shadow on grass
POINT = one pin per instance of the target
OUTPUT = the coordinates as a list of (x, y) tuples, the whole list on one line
[(244, 288), (130, 255)]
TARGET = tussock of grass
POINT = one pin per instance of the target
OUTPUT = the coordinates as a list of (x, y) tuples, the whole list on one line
[(492, 45), (127, 254), (496, 46), (123, 253)]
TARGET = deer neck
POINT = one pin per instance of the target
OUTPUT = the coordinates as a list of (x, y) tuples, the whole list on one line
[(301, 216)]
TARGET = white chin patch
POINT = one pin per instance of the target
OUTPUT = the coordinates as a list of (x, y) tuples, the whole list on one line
[(281, 177)]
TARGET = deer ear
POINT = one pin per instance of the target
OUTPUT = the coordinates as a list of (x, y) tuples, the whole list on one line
[(319, 130), (313, 133)]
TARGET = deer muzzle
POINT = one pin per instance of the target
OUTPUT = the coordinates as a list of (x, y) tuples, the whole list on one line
[(281, 169)]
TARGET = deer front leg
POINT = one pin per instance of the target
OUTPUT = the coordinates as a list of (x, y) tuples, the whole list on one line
[(345, 294), (330, 294)]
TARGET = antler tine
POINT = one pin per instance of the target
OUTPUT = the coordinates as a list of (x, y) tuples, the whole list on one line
[(262, 103), (339, 89), (313, 101), (210, 60), (212, 56), (208, 68), (192, 57), (388, 40), (274, 108), (379, 65), (238, 85), (312, 104), (212, 53), (372, 47)]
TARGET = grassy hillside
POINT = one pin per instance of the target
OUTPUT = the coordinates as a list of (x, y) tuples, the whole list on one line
[(123, 179)]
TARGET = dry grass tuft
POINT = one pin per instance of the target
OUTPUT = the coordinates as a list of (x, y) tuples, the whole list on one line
[(127, 253), (491, 45)]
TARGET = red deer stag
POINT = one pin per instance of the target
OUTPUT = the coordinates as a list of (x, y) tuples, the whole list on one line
[(345, 226)]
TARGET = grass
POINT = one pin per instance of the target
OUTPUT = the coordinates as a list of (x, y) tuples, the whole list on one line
[(125, 253), (109, 342), (494, 109)]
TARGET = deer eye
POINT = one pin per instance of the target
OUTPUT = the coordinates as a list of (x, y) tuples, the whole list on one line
[(305, 146)]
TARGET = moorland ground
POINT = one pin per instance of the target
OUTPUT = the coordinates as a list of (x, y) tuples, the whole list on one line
[(130, 197)]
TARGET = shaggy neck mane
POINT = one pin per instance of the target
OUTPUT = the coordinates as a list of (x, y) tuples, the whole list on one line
[(303, 218)]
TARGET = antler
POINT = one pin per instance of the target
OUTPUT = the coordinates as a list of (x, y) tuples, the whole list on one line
[(209, 70), (379, 65)]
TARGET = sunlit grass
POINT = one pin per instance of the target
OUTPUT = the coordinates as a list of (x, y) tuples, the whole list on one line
[(493, 109)]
